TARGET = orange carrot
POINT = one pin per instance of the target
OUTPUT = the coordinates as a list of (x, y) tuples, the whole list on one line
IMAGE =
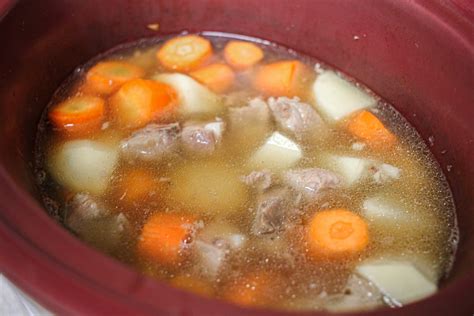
[(139, 101), (252, 289), (337, 233), (283, 78), (218, 77), (107, 76), (78, 115), (163, 237), (193, 284), (184, 53), (368, 127), (137, 186), (242, 55)]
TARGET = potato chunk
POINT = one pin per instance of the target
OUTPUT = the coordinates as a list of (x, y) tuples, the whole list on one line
[(278, 152), (194, 98), (337, 98), (208, 188), (84, 165)]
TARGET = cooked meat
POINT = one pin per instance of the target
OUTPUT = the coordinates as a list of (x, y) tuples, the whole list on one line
[(260, 180), (202, 137), (94, 223), (275, 210), (256, 113), (295, 116), (311, 182), (151, 143)]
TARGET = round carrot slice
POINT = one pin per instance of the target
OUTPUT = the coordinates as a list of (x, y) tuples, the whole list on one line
[(107, 76), (163, 237), (140, 101), (218, 77), (283, 78), (184, 53), (242, 55), (252, 289), (337, 233), (137, 186), (78, 114)]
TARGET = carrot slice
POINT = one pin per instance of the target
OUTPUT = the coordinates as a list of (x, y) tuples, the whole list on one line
[(138, 186), (218, 77), (163, 237), (242, 55), (192, 284), (283, 78), (184, 53), (368, 127), (78, 115), (252, 289), (107, 76), (337, 233), (139, 101)]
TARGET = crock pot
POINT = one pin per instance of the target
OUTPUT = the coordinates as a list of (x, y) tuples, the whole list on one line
[(419, 55)]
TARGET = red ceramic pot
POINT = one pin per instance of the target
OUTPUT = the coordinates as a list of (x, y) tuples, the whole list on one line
[(419, 55)]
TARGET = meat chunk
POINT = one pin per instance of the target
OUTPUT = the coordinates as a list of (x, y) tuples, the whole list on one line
[(259, 180), (276, 209), (214, 243), (256, 113), (202, 137), (296, 117), (94, 223), (311, 182), (151, 143)]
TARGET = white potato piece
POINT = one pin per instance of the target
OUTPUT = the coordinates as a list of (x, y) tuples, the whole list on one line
[(382, 209), (399, 281), (278, 152), (208, 188), (194, 98), (337, 98), (84, 165), (355, 169)]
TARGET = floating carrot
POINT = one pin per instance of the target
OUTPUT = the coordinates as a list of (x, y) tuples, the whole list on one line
[(337, 233), (283, 78), (242, 55), (106, 77), (218, 77), (184, 53), (139, 101), (252, 289), (163, 237), (192, 284), (78, 115), (137, 186), (368, 127)]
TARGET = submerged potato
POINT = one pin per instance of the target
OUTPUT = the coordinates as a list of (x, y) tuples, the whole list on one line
[(208, 188)]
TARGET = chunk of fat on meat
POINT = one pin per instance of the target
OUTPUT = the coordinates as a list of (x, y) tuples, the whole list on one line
[(297, 117), (94, 223), (359, 294), (255, 112), (337, 98), (214, 243), (355, 169), (311, 182), (153, 143), (400, 281), (278, 152), (202, 137), (260, 180), (83, 165), (194, 98)]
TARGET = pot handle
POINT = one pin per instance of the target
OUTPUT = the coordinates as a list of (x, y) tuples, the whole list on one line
[(5, 7)]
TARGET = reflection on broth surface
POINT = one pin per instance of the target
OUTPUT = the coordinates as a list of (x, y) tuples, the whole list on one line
[(243, 171)]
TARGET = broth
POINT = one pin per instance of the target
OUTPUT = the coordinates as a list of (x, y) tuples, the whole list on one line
[(188, 215)]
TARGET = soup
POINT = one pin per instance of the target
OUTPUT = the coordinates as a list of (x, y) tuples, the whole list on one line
[(240, 170)]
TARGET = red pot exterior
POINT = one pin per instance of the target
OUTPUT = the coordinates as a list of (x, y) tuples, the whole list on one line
[(419, 55)]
